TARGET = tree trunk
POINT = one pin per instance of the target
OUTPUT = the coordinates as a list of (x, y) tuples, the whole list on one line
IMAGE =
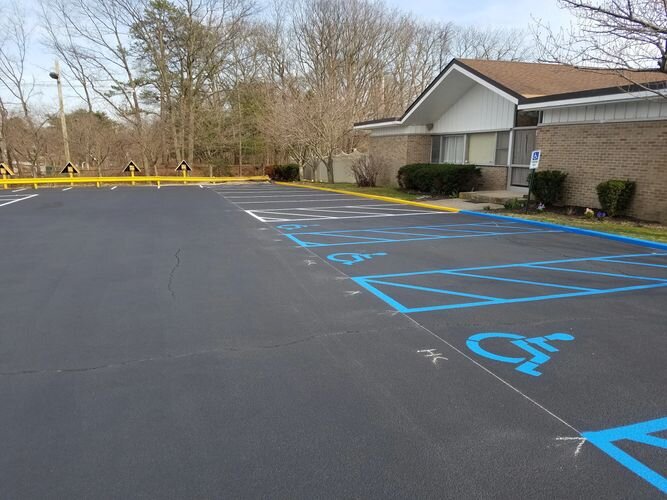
[(330, 170)]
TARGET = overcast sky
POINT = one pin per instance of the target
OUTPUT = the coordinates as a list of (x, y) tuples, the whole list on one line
[(497, 13), (484, 13)]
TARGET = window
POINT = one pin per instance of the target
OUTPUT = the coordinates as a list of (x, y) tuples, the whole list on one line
[(524, 144), (435, 148), (482, 149), (502, 147), (527, 118), (452, 149)]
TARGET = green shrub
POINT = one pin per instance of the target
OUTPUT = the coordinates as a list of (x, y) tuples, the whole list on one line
[(547, 185), (615, 196), (514, 204), (284, 173), (438, 178)]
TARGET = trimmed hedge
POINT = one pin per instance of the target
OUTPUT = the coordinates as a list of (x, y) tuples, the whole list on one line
[(438, 178), (547, 185), (284, 173), (615, 196)]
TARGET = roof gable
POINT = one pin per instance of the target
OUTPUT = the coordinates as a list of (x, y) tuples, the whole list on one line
[(523, 82)]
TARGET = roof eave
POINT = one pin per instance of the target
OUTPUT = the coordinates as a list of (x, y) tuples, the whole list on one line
[(644, 91)]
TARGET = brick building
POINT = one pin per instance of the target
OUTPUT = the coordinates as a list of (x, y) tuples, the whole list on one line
[(594, 124)]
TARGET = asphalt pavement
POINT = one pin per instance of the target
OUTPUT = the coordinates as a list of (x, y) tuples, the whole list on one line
[(245, 341)]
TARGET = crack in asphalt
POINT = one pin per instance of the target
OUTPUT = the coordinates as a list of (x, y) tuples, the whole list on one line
[(177, 255), (186, 355)]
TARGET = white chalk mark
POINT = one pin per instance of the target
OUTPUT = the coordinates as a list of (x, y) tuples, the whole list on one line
[(67, 189), (391, 313), (310, 262), (349, 293), (113, 187), (434, 356), (581, 440)]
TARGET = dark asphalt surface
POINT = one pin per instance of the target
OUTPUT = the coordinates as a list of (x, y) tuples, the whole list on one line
[(169, 344)]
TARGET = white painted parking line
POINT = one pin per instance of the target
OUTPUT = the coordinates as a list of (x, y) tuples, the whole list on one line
[(291, 201), (18, 190), (3, 203), (67, 189), (340, 212), (278, 196)]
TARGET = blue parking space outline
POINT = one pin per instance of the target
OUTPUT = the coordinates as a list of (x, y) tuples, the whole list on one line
[(370, 283), (641, 432), (402, 234)]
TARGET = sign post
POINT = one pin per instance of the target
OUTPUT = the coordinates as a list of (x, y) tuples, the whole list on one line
[(132, 168), (5, 170), (70, 169), (534, 163), (184, 168)]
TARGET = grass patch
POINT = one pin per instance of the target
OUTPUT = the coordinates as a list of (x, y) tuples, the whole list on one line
[(377, 191), (633, 229)]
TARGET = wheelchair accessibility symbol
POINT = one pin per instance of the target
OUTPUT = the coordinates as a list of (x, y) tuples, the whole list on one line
[(353, 258), (527, 364)]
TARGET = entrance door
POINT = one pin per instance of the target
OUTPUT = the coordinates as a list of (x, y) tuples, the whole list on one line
[(522, 146)]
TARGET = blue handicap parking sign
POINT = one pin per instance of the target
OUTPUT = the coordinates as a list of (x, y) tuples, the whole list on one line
[(526, 364)]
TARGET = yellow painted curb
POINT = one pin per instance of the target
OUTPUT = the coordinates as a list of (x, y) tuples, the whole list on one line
[(373, 197)]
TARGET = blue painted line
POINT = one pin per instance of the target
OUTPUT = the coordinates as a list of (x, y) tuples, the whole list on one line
[(375, 240), (384, 231), (637, 263), (598, 273), (392, 302), (527, 299), (574, 230), (526, 282), (405, 240), (520, 264), (640, 432), (434, 226), (435, 290), (490, 227), (486, 300)]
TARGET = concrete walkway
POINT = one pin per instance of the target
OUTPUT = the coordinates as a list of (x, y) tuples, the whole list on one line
[(461, 204)]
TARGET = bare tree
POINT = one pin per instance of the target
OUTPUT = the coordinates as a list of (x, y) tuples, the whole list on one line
[(13, 52), (490, 43), (611, 34)]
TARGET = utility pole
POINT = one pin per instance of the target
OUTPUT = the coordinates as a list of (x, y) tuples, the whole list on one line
[(56, 76)]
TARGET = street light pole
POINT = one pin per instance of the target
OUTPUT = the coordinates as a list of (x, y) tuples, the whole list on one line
[(56, 76)]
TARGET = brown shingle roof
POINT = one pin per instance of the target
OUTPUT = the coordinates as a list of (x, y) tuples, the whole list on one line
[(539, 79)]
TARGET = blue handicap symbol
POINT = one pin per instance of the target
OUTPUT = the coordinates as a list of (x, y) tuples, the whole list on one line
[(526, 365), (349, 259), (292, 227), (642, 432)]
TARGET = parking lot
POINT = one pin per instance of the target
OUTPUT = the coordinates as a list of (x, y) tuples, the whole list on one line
[(277, 341)]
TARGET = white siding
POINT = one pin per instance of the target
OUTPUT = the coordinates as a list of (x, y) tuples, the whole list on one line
[(399, 130), (620, 111), (478, 110)]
